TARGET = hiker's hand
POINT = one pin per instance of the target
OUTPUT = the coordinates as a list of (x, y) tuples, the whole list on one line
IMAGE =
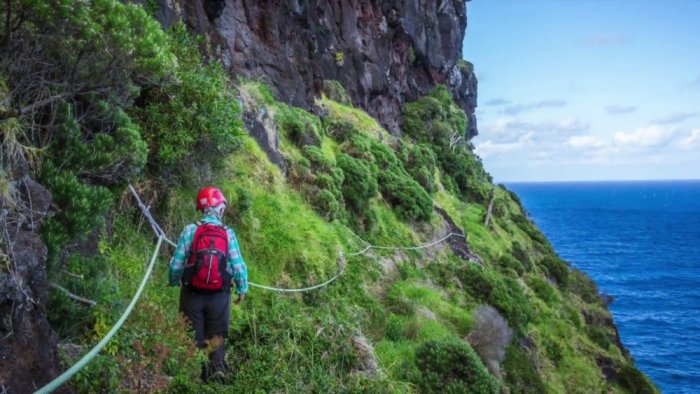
[(241, 297)]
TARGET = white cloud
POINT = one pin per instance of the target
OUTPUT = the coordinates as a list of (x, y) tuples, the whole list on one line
[(692, 140), (645, 137), (491, 148), (571, 125), (585, 142), (502, 125)]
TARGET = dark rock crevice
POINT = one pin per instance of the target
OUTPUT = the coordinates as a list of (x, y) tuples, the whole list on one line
[(24, 328)]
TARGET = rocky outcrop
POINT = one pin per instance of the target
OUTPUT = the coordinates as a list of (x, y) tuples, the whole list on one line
[(458, 244), (383, 52), (24, 329)]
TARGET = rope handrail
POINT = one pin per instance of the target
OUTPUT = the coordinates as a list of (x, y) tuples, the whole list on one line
[(56, 383), (159, 232)]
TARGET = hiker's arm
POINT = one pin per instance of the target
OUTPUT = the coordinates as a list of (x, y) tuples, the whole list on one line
[(177, 263), (236, 264)]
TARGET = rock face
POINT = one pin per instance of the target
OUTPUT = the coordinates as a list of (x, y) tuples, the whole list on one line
[(383, 52), (24, 329)]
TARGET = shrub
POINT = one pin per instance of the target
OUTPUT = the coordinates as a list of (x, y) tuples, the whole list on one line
[(490, 337), (419, 161), (582, 285), (82, 206), (451, 366), (194, 121), (599, 335), (558, 270), (521, 376), (359, 184), (406, 196), (108, 156), (521, 254), (434, 118), (504, 293), (467, 173), (336, 92), (339, 129), (298, 126), (542, 289), (507, 262), (634, 380)]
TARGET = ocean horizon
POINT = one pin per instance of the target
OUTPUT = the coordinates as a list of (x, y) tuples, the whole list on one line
[(639, 240)]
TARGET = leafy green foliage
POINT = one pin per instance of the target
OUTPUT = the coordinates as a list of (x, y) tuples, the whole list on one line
[(558, 270), (434, 118), (359, 184), (407, 196), (544, 290), (82, 208), (419, 161), (194, 121), (504, 293), (521, 374), (336, 92), (298, 126), (452, 366), (599, 335), (635, 381), (107, 156)]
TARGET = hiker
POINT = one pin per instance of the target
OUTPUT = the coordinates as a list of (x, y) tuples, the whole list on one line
[(206, 262)]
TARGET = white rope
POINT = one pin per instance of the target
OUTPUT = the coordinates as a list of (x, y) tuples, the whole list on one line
[(161, 234)]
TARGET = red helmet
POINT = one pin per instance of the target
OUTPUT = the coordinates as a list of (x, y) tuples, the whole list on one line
[(210, 197)]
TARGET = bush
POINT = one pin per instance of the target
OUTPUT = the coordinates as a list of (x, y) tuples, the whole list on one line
[(339, 129), (359, 184), (195, 121), (521, 376), (419, 161), (467, 173), (434, 118), (582, 285), (507, 262), (599, 335), (542, 289), (504, 293), (82, 206), (406, 196), (490, 337), (298, 126), (451, 366), (558, 270), (336, 92), (634, 380)]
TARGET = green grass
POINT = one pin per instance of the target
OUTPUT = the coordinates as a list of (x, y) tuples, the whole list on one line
[(303, 342)]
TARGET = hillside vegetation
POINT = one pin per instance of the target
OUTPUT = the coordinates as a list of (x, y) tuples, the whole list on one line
[(97, 95)]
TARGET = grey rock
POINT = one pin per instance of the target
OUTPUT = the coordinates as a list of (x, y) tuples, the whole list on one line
[(294, 46)]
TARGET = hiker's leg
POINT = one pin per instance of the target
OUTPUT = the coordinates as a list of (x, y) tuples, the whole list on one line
[(192, 306), (217, 313)]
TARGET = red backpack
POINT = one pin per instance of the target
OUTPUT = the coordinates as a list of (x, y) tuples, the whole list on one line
[(206, 265)]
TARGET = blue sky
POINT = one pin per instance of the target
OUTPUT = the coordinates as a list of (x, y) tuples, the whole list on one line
[(587, 90)]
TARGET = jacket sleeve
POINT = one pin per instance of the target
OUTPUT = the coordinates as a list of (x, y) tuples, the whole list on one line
[(177, 263), (236, 265)]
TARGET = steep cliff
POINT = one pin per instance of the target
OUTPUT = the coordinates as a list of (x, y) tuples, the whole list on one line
[(462, 293), (384, 53)]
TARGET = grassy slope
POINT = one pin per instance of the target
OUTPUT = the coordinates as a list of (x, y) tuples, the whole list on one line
[(307, 342)]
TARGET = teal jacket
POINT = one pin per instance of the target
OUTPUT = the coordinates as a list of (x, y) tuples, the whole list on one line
[(236, 266)]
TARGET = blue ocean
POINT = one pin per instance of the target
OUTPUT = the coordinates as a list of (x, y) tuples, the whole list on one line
[(640, 242)]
